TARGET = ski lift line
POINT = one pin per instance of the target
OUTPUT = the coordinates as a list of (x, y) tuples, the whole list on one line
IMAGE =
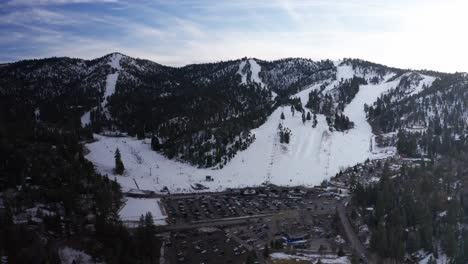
[(136, 184)]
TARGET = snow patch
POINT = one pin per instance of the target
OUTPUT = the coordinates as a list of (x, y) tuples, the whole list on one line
[(37, 113), (344, 71), (441, 260), (242, 73), (253, 69), (86, 119), (115, 61), (135, 207), (69, 255), (332, 259), (426, 81)]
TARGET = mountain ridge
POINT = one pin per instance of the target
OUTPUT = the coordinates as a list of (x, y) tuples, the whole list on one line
[(235, 60), (201, 113)]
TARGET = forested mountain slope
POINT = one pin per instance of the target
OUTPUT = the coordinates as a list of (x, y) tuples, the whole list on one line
[(243, 122), (209, 107)]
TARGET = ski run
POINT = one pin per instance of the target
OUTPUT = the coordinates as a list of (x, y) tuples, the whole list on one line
[(313, 154)]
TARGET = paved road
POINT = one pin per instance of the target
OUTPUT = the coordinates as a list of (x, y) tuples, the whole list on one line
[(356, 245), (211, 223)]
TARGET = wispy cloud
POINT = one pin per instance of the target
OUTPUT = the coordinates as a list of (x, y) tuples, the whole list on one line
[(415, 33), (54, 2), (34, 16)]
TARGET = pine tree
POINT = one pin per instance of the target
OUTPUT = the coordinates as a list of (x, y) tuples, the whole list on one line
[(266, 251), (286, 136), (282, 116), (155, 143), (303, 118), (250, 258), (146, 238), (119, 166), (308, 116)]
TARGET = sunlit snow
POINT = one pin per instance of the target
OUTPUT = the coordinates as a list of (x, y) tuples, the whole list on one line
[(135, 207), (313, 154)]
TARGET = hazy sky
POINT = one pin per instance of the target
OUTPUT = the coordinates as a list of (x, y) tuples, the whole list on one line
[(402, 33)]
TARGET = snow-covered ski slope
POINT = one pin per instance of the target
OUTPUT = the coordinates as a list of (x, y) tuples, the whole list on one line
[(111, 81), (313, 154), (251, 73)]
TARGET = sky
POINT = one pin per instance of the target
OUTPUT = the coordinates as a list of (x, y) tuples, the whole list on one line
[(417, 34)]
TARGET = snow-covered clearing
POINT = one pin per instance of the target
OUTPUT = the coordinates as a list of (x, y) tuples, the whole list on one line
[(426, 81), (254, 70), (242, 73), (135, 207)]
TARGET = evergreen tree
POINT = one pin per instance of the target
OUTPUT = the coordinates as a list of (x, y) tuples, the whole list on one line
[(266, 252), (286, 137), (314, 124), (250, 258), (303, 118), (155, 143), (355, 259), (119, 166), (308, 116), (282, 116), (146, 238), (432, 260)]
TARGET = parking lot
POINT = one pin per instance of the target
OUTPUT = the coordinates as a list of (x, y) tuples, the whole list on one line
[(227, 227), (246, 202), (205, 246)]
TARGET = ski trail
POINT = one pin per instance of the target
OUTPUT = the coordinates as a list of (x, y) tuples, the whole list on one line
[(111, 79), (326, 150), (273, 155)]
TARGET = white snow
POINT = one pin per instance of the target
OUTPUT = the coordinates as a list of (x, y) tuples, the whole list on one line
[(442, 214), (111, 79), (343, 71), (86, 119), (313, 154), (135, 207), (67, 255), (240, 71), (426, 81), (254, 69), (304, 94), (441, 260), (332, 259), (37, 113), (115, 61)]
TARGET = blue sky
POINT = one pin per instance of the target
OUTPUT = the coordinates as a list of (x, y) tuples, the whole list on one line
[(409, 34)]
